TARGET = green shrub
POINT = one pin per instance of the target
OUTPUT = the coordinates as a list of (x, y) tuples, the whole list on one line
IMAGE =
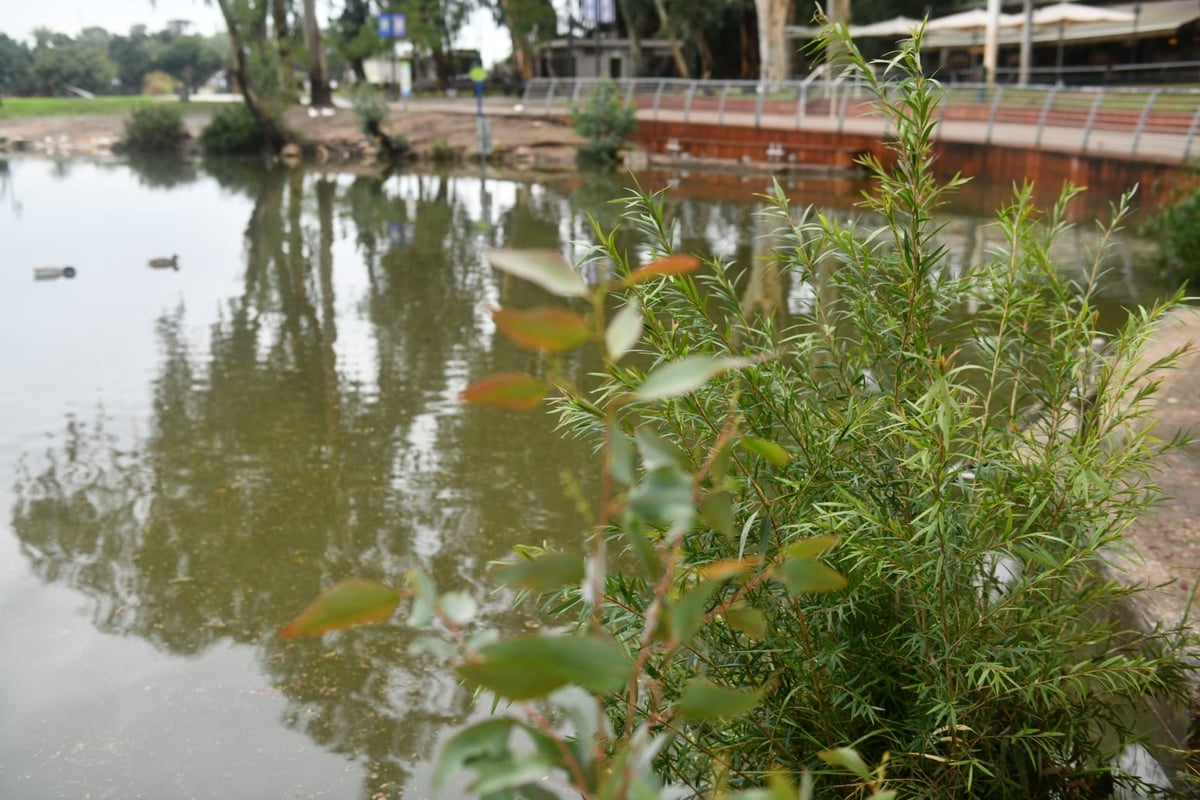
[(154, 129), (233, 130), (605, 122), (1177, 230), (887, 525), (371, 110)]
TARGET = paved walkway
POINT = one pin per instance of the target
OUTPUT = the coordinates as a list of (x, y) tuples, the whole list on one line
[(1124, 142)]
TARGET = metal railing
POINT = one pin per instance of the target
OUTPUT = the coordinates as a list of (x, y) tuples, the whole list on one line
[(1160, 122)]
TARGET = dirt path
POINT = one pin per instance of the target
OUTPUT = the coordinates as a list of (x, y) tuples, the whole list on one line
[(541, 143)]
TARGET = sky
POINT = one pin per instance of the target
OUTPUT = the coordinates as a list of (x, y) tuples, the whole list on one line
[(20, 17)]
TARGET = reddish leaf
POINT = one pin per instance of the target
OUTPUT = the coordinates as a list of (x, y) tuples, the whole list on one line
[(514, 390), (351, 602), (671, 265), (547, 328)]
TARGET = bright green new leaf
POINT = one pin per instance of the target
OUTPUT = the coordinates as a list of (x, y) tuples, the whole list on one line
[(548, 328), (485, 741), (812, 547), (704, 700), (525, 667), (717, 510), (544, 573), (767, 450), (658, 452), (459, 607), (802, 575), (664, 497), (685, 375), (624, 331), (668, 265), (545, 268), (846, 758), (351, 602), (514, 390), (520, 770), (687, 613)]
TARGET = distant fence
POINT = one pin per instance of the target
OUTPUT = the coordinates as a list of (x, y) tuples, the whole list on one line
[(1159, 122)]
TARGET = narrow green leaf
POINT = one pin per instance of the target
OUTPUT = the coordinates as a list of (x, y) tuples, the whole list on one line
[(687, 613), (846, 758), (685, 375), (658, 452), (351, 602), (514, 390), (704, 700), (525, 667), (548, 328), (545, 268), (487, 740), (544, 573), (624, 331), (669, 265), (620, 455), (749, 621), (767, 450), (422, 612), (635, 535), (802, 575), (717, 510)]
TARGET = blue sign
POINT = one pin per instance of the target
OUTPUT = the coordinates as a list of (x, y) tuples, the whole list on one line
[(393, 26)]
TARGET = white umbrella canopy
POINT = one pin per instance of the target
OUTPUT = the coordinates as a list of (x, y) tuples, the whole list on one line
[(975, 19), (1064, 14), (897, 26)]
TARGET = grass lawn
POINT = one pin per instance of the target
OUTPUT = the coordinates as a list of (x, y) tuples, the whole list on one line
[(22, 107)]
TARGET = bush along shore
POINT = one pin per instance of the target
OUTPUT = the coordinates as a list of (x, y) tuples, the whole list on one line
[(863, 555), (329, 136)]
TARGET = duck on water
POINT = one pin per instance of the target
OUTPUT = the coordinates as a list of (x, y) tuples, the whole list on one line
[(51, 273), (165, 263)]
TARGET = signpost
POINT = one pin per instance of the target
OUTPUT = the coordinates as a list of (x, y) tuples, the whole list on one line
[(393, 26), (478, 75)]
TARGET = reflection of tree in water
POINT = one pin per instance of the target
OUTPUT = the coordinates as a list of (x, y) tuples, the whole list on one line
[(162, 172), (271, 470)]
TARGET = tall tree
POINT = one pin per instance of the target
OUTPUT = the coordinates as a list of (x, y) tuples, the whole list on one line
[(668, 30), (774, 58), (318, 74), (246, 25), (527, 21)]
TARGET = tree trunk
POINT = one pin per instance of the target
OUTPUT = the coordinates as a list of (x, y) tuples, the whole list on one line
[(706, 55), (773, 54), (681, 65), (283, 45), (275, 133), (635, 40), (318, 73)]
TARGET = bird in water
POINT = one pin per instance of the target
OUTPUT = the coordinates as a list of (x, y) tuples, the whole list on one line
[(50, 273), (164, 263)]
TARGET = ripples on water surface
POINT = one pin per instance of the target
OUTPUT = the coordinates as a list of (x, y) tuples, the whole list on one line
[(191, 455)]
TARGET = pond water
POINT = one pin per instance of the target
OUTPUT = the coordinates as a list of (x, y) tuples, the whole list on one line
[(190, 455)]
